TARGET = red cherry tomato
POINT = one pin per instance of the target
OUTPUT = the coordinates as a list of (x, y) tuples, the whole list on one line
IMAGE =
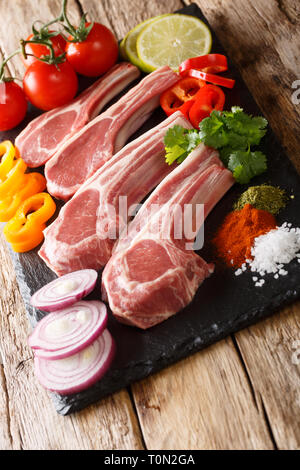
[(13, 105), (96, 54), (58, 43), (49, 86)]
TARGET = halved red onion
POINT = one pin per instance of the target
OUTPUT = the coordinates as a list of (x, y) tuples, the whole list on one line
[(66, 332), (77, 372), (65, 290)]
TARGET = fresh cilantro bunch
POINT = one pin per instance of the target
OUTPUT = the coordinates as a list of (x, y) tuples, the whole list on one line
[(232, 133), (179, 142)]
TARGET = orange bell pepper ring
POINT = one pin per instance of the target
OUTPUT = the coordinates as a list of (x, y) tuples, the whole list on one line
[(33, 183), (25, 230)]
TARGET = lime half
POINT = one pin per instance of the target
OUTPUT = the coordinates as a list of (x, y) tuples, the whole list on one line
[(130, 39), (172, 39)]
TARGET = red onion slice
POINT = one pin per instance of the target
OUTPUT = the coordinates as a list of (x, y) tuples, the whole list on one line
[(77, 372), (65, 290), (66, 332)]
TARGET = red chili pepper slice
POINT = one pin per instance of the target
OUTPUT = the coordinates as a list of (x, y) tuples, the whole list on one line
[(208, 77), (180, 96), (209, 63), (208, 99)]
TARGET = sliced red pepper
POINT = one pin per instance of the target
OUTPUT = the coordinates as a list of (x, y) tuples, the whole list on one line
[(208, 99), (179, 97), (209, 63), (208, 77)]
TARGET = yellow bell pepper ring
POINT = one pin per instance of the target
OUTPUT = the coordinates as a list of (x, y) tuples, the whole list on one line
[(14, 179), (7, 156), (25, 230), (33, 183)]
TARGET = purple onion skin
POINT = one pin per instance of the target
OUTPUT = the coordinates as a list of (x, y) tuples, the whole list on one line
[(88, 383)]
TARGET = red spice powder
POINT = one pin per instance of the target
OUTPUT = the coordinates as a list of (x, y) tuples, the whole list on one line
[(235, 237)]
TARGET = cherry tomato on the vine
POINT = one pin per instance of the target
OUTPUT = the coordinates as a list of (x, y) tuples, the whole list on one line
[(39, 50), (96, 54), (13, 105), (49, 86)]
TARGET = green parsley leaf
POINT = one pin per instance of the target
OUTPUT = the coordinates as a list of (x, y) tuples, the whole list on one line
[(179, 142), (232, 133), (246, 165), (213, 131)]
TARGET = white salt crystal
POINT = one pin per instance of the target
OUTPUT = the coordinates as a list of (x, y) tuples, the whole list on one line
[(275, 249)]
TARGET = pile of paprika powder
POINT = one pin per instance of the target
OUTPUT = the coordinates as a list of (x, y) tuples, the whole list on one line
[(235, 237)]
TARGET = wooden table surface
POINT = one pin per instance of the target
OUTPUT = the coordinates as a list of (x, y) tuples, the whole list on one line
[(241, 393)]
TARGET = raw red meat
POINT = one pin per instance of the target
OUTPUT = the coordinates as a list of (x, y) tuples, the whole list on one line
[(152, 275), (89, 149), (79, 236), (43, 136)]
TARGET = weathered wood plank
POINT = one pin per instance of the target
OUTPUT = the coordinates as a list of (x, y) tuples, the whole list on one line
[(203, 402), (121, 16), (110, 424), (264, 43), (269, 352), (19, 15), (5, 438)]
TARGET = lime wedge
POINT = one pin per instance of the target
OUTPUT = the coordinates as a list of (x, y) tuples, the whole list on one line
[(172, 39), (129, 46)]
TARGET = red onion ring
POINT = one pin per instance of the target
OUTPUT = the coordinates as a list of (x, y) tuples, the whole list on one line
[(66, 332), (65, 290), (79, 371)]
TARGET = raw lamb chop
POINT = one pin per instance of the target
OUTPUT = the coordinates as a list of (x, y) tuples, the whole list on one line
[(43, 136), (152, 275), (86, 229), (89, 149)]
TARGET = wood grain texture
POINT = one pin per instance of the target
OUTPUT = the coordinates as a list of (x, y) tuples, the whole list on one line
[(203, 402), (269, 353), (5, 437), (109, 424), (121, 16)]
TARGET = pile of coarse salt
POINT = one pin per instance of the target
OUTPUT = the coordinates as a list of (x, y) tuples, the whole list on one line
[(272, 251)]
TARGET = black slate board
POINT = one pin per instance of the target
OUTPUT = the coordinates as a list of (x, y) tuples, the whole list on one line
[(223, 304)]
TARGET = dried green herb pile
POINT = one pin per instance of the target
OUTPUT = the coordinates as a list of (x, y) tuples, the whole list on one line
[(264, 197)]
